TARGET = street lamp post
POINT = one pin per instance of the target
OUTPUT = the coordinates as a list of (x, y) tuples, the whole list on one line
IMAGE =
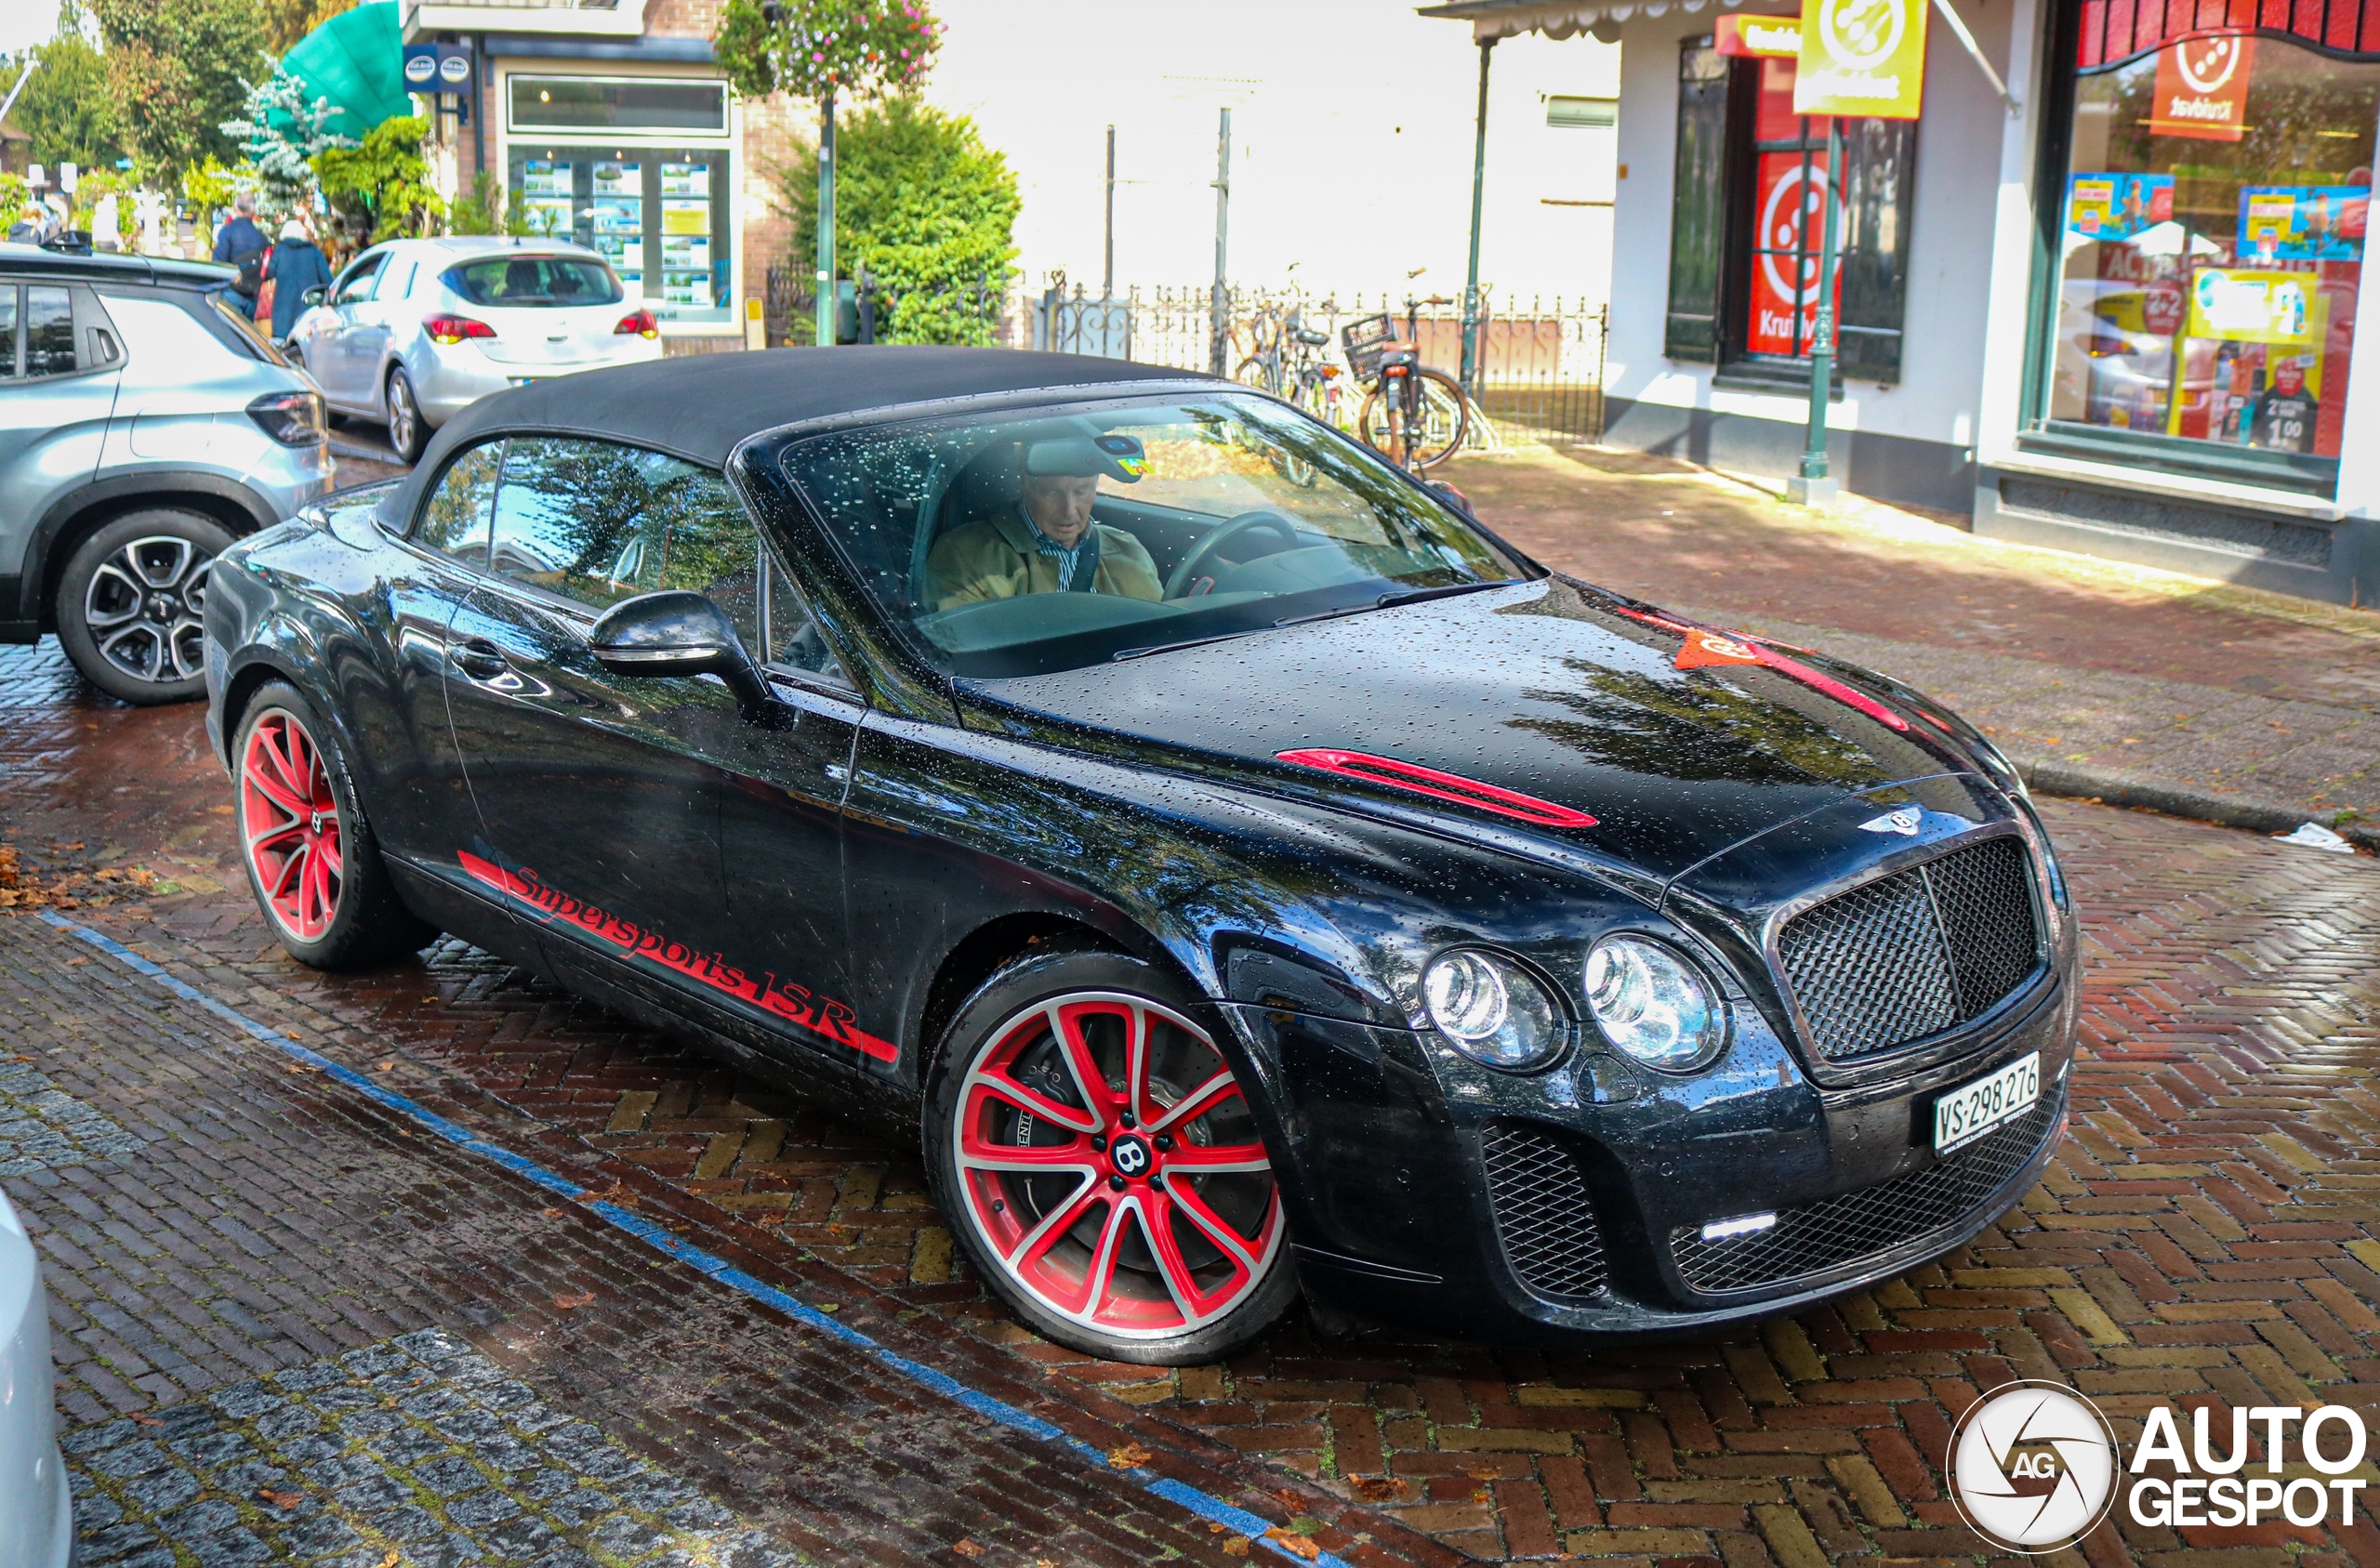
[(1471, 279), (1219, 327), (826, 220), (1815, 486)]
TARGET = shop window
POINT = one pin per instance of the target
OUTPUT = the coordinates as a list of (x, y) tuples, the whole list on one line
[(2207, 252), (1747, 230), (659, 215)]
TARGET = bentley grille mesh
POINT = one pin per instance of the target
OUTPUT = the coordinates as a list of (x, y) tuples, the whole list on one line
[(1835, 1230), (1916, 953), (1543, 1215)]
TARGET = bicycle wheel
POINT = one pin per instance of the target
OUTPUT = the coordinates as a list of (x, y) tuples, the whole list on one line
[(1446, 419), (1257, 371)]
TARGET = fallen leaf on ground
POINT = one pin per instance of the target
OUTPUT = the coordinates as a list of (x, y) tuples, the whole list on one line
[(1290, 1499), (1294, 1543), (1480, 1495), (967, 1549), (572, 1303), (1236, 1546), (1483, 1473), (389, 1560), (551, 1213), (279, 1499), (388, 1067), (146, 1420), (1380, 1488), (1131, 1455)]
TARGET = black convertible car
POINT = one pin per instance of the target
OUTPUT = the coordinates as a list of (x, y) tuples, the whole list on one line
[(1245, 873)]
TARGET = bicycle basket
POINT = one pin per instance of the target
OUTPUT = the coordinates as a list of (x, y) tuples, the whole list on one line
[(1364, 338)]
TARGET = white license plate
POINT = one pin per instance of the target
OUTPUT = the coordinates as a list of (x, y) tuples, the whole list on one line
[(1965, 1114)]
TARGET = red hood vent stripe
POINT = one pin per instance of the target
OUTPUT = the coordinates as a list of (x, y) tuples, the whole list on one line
[(1419, 780)]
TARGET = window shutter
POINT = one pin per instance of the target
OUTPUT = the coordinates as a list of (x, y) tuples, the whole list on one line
[(1697, 214)]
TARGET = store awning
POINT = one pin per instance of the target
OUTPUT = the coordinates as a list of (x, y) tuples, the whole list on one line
[(356, 59), (1555, 18)]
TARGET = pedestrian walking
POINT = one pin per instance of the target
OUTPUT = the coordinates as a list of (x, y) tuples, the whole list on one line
[(242, 244), (298, 265)]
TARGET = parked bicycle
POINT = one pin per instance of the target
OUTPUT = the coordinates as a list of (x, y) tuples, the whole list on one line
[(1414, 415), (1289, 362)]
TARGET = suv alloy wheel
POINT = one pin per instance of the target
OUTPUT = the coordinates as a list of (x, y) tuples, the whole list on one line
[(131, 603)]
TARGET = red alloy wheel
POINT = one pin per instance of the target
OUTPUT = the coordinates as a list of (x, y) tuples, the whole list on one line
[(289, 820), (1110, 1165)]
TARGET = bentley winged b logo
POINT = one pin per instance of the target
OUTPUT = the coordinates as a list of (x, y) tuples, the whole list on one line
[(1903, 821)]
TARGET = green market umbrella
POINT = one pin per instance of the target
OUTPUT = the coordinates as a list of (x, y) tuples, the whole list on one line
[(356, 59)]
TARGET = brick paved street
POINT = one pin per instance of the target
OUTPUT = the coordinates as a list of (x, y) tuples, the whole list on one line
[(223, 1228)]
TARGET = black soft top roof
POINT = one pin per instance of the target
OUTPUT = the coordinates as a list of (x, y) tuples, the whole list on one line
[(699, 406)]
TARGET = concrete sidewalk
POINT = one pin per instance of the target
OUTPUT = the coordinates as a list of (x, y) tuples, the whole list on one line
[(2100, 680)]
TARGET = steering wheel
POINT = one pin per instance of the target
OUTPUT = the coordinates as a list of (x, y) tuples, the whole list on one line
[(1271, 522)]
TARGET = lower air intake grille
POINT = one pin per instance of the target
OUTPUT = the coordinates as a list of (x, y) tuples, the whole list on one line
[(1543, 1215), (1832, 1232), (1916, 953)]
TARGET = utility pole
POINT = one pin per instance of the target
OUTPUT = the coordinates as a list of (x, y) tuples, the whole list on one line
[(1814, 486), (1108, 274), (1470, 377), (1220, 326), (827, 220)]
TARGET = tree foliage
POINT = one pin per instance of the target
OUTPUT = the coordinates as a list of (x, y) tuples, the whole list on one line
[(386, 180), (485, 210), (281, 131), (286, 21), (924, 208), (856, 48), (173, 75), (65, 107)]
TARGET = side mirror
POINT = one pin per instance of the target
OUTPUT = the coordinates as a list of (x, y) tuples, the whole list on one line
[(680, 632), (312, 296)]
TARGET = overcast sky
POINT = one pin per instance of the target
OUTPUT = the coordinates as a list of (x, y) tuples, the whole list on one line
[(23, 22)]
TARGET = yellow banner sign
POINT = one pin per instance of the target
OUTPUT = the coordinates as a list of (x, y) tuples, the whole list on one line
[(1861, 58)]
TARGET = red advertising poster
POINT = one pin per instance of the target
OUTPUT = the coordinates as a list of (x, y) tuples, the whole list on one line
[(1784, 285), (2202, 89)]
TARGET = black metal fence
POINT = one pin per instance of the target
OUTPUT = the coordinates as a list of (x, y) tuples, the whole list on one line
[(1540, 362)]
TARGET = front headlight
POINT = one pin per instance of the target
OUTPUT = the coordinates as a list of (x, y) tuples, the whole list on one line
[(1494, 1012), (1653, 1004)]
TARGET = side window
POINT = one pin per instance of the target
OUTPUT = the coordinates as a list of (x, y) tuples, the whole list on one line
[(396, 280), (7, 332), (355, 284), (50, 331), (792, 636), (597, 523), (456, 520)]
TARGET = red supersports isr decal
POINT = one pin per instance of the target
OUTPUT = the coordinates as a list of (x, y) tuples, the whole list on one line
[(1703, 646), (781, 1000)]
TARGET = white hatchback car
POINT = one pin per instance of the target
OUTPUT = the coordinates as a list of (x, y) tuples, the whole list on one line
[(413, 330), (36, 1512)]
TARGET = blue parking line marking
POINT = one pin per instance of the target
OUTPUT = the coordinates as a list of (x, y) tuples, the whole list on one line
[(662, 1239)]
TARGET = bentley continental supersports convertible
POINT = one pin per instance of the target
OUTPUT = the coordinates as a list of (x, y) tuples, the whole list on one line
[(1245, 872)]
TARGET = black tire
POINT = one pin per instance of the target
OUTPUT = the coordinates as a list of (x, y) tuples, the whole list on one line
[(409, 431), (284, 796), (131, 604), (1447, 421), (1185, 1283)]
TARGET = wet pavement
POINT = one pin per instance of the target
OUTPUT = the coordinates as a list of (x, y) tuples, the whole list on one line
[(279, 1305)]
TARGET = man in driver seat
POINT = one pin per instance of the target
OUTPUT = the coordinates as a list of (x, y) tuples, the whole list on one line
[(1048, 541)]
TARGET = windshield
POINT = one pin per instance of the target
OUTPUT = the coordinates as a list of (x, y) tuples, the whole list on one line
[(526, 281), (1022, 544)]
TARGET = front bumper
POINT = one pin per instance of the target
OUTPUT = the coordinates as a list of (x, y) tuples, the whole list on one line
[(1482, 1204)]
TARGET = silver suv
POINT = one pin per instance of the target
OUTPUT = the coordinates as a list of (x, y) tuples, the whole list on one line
[(143, 426)]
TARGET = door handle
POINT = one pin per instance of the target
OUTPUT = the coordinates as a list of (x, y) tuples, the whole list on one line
[(478, 658)]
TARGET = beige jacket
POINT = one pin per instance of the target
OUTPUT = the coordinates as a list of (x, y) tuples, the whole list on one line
[(997, 559)]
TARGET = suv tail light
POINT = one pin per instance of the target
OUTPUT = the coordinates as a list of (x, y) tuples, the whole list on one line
[(454, 329), (639, 320), (291, 418)]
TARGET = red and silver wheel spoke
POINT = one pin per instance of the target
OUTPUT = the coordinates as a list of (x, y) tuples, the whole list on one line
[(1196, 1303), (1099, 1281), (1066, 1023), (1214, 1159), (1197, 1103)]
